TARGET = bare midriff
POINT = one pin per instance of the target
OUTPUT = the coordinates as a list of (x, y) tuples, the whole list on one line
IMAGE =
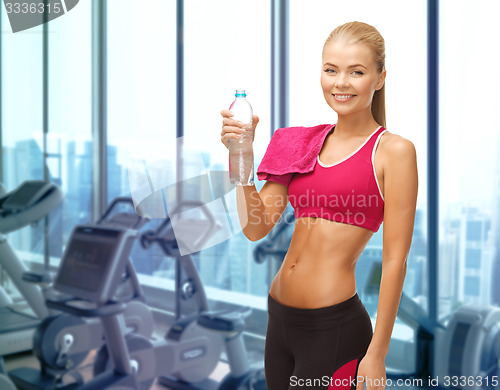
[(319, 268)]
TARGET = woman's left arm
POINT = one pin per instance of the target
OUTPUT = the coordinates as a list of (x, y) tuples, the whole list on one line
[(400, 201)]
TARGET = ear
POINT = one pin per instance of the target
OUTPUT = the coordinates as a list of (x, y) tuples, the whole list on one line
[(381, 80)]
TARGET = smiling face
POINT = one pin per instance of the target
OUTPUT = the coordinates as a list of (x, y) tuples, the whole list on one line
[(349, 77)]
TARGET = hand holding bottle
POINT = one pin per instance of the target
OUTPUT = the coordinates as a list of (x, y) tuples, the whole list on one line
[(237, 135), (232, 128)]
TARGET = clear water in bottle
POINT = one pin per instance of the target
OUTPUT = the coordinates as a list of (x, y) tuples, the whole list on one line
[(241, 167)]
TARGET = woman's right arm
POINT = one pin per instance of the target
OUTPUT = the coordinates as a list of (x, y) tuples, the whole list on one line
[(258, 212)]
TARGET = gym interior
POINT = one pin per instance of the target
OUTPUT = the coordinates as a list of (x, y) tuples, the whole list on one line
[(120, 246)]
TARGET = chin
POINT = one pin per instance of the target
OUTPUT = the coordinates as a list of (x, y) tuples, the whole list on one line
[(342, 110)]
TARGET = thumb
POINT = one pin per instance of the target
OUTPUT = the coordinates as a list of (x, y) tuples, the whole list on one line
[(255, 120)]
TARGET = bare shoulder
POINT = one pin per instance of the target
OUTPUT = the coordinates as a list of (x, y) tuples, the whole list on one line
[(395, 148)]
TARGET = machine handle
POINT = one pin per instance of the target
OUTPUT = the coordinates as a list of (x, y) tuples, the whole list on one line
[(114, 203)]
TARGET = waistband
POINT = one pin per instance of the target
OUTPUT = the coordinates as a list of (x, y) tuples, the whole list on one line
[(302, 316)]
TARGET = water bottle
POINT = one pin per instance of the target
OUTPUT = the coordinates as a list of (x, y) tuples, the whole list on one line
[(241, 169)]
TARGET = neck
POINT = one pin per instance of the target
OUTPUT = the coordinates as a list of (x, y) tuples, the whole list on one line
[(356, 124)]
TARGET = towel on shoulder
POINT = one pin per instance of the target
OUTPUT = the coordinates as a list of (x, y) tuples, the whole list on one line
[(292, 150)]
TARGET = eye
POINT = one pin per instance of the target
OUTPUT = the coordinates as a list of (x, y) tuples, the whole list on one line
[(329, 70), (358, 73)]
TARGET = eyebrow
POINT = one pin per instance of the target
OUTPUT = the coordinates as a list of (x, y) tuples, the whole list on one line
[(350, 66)]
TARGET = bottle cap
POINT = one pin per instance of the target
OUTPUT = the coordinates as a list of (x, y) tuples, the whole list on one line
[(240, 93)]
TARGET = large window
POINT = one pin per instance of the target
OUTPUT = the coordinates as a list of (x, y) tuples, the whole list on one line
[(22, 133), (141, 38), (69, 137), (64, 152), (469, 266), (45, 126), (141, 115), (22, 111), (22, 145), (227, 47)]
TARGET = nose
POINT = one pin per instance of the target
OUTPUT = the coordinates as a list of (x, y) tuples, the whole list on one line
[(341, 81)]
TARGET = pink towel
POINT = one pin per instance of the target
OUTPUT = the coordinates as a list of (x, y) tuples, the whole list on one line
[(291, 150)]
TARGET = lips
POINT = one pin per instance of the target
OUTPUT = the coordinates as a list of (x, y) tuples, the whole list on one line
[(343, 97)]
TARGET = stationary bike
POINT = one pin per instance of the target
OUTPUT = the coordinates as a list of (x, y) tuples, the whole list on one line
[(93, 264)]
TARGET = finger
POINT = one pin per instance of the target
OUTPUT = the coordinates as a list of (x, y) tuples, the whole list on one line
[(232, 129), (226, 138), (255, 121), (226, 113), (232, 122)]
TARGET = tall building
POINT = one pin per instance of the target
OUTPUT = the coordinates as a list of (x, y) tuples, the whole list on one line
[(475, 257)]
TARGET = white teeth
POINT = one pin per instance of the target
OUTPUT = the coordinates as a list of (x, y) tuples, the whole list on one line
[(343, 97)]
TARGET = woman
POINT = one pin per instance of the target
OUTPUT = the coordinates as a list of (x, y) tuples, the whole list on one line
[(319, 333)]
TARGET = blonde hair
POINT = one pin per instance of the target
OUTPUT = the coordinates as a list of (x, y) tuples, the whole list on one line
[(359, 32)]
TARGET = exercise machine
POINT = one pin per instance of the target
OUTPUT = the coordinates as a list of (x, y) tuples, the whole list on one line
[(95, 260), (468, 349), (62, 342), (27, 204), (93, 263)]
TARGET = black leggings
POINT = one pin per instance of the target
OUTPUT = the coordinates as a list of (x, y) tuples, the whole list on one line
[(317, 348)]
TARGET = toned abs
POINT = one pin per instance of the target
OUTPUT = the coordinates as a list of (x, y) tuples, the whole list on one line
[(319, 268)]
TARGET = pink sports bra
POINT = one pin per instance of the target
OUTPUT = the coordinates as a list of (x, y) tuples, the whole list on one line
[(347, 191)]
